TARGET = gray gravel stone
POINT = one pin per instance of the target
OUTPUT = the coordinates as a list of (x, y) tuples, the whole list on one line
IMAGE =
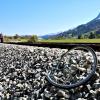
[(96, 85), (62, 99), (47, 95), (23, 70), (61, 93)]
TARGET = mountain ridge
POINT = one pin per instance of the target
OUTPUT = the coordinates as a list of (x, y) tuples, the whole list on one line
[(93, 25)]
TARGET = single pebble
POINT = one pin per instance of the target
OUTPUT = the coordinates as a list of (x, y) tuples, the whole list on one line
[(61, 93)]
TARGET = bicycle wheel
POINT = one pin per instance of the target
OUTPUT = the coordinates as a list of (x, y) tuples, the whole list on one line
[(75, 68)]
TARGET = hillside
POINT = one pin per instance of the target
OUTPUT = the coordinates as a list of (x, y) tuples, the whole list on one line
[(84, 29), (92, 26)]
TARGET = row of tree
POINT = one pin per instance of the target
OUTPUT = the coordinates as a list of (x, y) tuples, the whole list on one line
[(90, 35), (16, 37)]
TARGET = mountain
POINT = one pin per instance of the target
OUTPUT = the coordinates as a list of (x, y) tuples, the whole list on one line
[(48, 36), (92, 26)]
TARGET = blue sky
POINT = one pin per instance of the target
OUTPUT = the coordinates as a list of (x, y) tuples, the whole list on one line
[(27, 17)]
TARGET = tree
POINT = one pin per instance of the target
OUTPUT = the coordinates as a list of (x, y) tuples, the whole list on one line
[(16, 36), (33, 39), (97, 35), (92, 35), (80, 36), (86, 36)]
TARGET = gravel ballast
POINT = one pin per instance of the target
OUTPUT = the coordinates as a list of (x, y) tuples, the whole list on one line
[(23, 70)]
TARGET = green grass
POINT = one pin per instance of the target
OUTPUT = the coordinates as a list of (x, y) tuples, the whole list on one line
[(15, 40), (23, 40), (62, 41), (73, 41)]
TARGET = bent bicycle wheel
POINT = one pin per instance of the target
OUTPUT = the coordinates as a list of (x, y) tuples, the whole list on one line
[(75, 68)]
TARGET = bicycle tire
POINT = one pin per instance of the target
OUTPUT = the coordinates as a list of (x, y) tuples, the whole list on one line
[(82, 81)]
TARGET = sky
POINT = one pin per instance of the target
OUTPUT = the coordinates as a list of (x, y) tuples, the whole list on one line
[(40, 17)]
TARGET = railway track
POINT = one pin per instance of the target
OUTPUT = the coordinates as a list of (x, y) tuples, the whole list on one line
[(95, 46)]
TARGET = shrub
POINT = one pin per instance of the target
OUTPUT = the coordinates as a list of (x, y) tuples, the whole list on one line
[(33, 39)]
